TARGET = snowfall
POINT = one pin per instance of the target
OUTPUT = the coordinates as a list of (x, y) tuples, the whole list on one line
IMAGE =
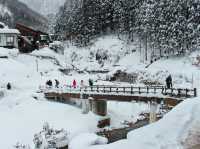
[(23, 115)]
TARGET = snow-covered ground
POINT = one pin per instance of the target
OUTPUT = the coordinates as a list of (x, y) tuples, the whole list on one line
[(22, 116)]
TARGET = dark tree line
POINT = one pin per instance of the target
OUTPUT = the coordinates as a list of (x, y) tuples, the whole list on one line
[(168, 26)]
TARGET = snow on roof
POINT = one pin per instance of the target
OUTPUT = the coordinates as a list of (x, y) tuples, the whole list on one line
[(9, 31)]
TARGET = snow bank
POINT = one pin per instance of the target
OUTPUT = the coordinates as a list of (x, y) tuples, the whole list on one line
[(20, 122), (85, 140), (48, 53)]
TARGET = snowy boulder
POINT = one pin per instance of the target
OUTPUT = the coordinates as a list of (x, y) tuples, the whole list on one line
[(86, 140), (50, 138)]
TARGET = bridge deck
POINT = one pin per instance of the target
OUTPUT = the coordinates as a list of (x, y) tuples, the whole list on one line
[(157, 94)]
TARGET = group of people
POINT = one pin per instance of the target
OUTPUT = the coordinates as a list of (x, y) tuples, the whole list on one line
[(49, 83), (82, 85)]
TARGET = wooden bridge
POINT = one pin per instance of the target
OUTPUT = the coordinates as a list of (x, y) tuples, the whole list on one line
[(157, 94), (94, 98)]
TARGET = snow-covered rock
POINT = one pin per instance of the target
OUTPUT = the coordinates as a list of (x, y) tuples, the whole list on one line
[(86, 140)]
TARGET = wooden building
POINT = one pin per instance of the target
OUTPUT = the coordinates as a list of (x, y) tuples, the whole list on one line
[(8, 37), (31, 39)]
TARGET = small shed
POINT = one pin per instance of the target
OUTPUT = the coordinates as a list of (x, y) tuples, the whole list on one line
[(8, 37)]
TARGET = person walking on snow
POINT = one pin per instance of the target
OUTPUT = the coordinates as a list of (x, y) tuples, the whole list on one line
[(74, 83), (8, 86), (57, 83), (90, 82), (82, 84)]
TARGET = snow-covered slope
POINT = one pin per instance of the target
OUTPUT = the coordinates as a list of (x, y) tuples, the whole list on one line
[(44, 7), (111, 53)]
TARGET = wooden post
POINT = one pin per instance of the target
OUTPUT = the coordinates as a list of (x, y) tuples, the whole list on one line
[(104, 90), (195, 92), (154, 90), (110, 89), (153, 109), (179, 92), (139, 91), (162, 89), (172, 90), (131, 90), (99, 107), (85, 104), (91, 89), (186, 92), (117, 90), (147, 89), (124, 90)]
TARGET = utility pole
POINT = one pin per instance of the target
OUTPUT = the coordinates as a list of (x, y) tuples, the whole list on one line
[(146, 57), (36, 64)]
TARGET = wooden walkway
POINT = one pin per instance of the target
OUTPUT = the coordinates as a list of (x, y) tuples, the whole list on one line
[(157, 94)]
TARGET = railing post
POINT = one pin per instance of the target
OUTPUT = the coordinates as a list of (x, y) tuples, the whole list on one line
[(162, 89), (97, 88), (110, 89), (186, 91), (154, 90), (179, 92), (147, 89), (172, 91), (195, 92), (139, 90), (131, 90), (91, 89), (104, 90), (124, 89), (117, 90)]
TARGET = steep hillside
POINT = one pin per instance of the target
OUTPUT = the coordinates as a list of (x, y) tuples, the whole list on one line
[(44, 7), (19, 12)]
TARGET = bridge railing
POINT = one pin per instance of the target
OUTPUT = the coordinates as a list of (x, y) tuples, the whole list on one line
[(103, 89)]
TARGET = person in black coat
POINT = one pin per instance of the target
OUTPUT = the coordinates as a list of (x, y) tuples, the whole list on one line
[(90, 82), (169, 81), (49, 83), (8, 86), (57, 83)]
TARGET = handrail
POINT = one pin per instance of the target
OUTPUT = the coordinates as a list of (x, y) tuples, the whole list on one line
[(180, 92)]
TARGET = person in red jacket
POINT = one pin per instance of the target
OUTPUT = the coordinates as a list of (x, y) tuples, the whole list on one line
[(74, 83)]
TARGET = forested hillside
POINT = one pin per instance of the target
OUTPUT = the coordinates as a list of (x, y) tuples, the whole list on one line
[(13, 11), (166, 27), (44, 7)]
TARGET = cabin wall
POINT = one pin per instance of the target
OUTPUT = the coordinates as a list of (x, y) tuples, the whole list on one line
[(3, 40)]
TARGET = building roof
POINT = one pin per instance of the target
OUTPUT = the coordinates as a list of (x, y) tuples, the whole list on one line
[(9, 31)]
